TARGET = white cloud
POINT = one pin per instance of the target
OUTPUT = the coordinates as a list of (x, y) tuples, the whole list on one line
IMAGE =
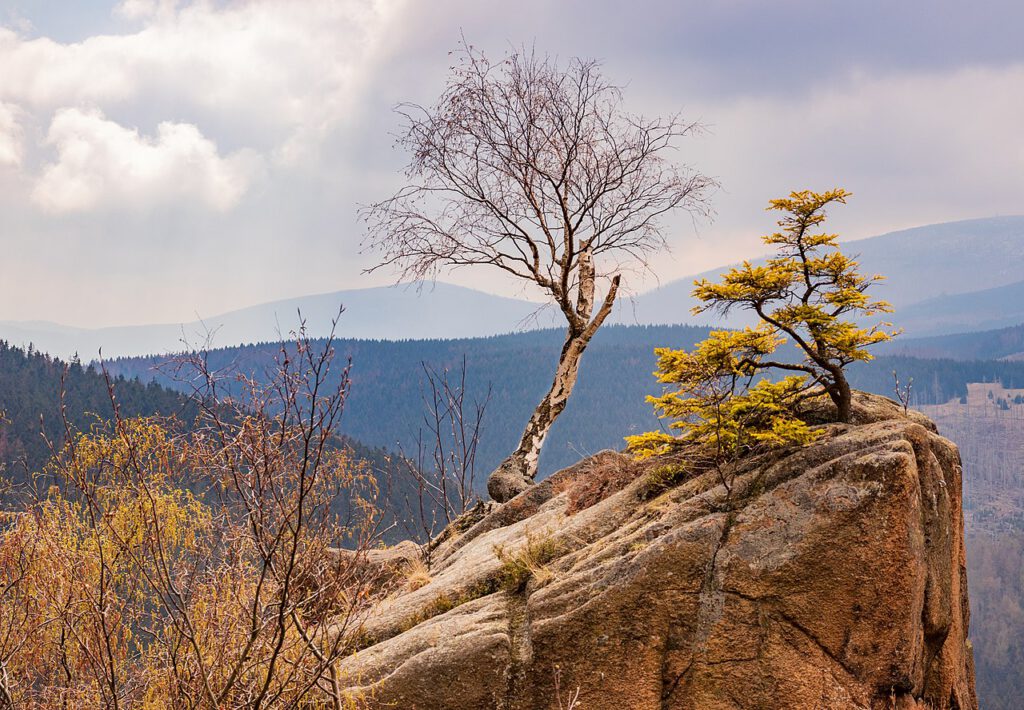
[(265, 76), (11, 137), (142, 9), (288, 71), (101, 164)]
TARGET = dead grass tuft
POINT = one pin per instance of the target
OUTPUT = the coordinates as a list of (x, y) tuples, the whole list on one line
[(417, 575), (528, 562)]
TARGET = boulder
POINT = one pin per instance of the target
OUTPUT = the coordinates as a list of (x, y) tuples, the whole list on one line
[(508, 480), (829, 576)]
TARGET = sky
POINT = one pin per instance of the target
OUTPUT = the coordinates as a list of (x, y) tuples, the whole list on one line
[(164, 160)]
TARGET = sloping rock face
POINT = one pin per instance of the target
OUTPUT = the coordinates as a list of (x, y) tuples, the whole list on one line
[(831, 576)]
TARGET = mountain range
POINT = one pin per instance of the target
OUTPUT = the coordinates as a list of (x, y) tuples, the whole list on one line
[(385, 406), (1000, 344), (405, 312), (942, 278)]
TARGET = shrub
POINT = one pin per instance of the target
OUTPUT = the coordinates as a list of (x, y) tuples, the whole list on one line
[(171, 566)]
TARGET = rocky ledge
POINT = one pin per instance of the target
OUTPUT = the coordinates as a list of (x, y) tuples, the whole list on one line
[(830, 576)]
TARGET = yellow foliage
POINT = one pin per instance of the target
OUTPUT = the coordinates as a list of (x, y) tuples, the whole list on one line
[(76, 568), (808, 294), (651, 443), (121, 572), (763, 415), (804, 294)]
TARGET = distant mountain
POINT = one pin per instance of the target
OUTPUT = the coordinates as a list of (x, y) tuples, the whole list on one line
[(988, 309), (30, 406), (437, 310), (30, 400), (1001, 344), (929, 270), (385, 406), (942, 278)]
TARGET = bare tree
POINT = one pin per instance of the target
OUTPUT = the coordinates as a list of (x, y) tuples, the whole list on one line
[(535, 169), (903, 390), (443, 472), (291, 493)]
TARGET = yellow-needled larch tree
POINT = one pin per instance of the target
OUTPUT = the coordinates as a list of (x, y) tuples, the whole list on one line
[(809, 294)]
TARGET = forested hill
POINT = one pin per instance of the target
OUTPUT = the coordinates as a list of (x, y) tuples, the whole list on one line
[(30, 398), (30, 401), (1001, 344), (385, 406)]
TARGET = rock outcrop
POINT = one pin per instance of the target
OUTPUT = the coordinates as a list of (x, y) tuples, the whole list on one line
[(831, 576)]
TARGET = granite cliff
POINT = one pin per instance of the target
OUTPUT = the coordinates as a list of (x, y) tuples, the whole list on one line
[(829, 576)]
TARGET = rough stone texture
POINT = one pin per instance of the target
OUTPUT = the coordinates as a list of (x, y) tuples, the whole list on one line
[(832, 577), (508, 480)]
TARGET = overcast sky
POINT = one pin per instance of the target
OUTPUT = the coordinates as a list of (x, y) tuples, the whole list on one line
[(162, 159)]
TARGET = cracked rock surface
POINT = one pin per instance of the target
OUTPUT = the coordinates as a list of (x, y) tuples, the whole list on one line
[(832, 576)]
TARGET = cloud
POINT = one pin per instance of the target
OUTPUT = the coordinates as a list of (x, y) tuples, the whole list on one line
[(915, 147), (101, 164), (11, 137), (142, 9), (283, 73), (251, 129)]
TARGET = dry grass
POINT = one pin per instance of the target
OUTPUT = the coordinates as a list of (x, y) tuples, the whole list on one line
[(528, 562), (417, 574), (660, 478)]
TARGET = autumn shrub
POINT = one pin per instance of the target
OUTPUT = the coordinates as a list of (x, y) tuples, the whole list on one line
[(191, 566)]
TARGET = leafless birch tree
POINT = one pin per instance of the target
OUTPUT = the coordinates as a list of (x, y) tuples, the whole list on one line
[(535, 168)]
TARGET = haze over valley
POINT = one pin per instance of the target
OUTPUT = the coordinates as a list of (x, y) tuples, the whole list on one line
[(942, 279)]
